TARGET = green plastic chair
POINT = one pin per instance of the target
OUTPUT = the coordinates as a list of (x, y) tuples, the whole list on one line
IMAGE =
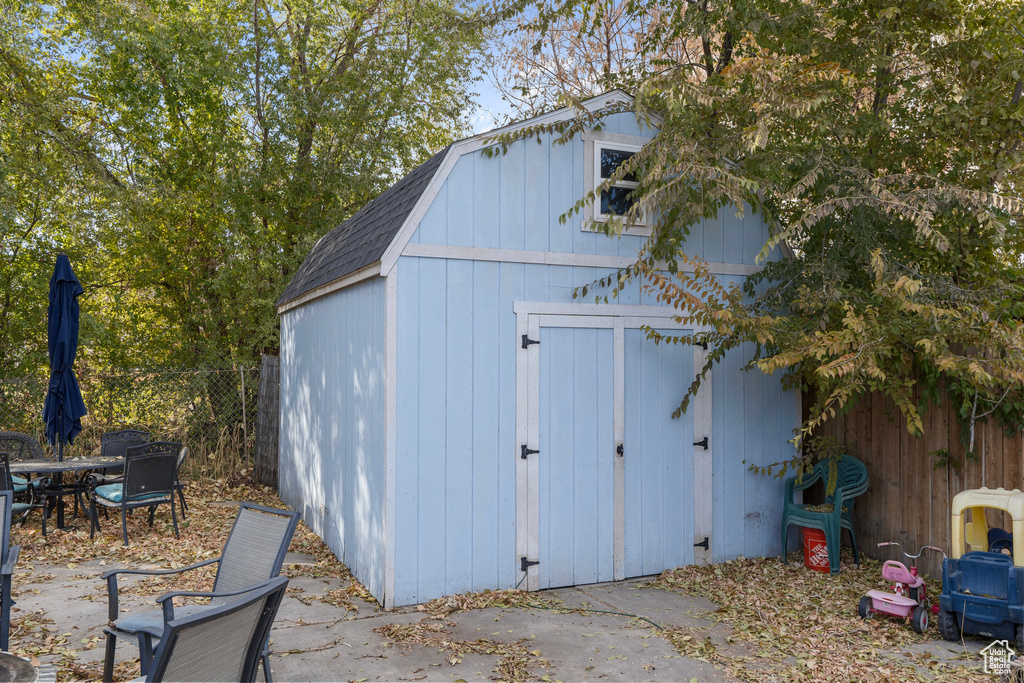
[(851, 481)]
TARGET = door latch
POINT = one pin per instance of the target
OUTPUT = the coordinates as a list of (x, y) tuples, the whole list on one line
[(620, 450)]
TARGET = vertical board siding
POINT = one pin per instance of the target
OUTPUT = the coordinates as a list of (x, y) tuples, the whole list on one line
[(576, 456), (456, 447), (910, 492), (332, 423), (658, 456)]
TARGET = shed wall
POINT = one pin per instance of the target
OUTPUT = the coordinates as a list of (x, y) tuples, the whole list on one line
[(332, 423), (456, 369)]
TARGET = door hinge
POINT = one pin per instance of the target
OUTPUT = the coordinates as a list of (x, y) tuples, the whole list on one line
[(703, 345), (524, 451), (703, 442), (620, 450), (525, 564), (527, 341), (702, 544)]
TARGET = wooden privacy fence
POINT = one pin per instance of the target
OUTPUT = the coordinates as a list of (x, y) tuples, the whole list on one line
[(910, 489), (267, 421)]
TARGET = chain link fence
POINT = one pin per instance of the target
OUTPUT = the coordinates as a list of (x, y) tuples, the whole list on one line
[(211, 410)]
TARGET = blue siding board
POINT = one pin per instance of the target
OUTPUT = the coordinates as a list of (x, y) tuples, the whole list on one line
[(538, 180), (733, 228), (562, 193), (486, 432), (407, 445), (487, 203), (431, 436), (433, 227), (513, 288), (512, 221), (754, 529), (459, 404), (460, 193)]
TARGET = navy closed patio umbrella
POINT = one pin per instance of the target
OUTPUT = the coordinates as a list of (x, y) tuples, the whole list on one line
[(63, 408)]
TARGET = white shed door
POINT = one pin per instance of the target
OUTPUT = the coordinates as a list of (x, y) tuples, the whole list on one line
[(606, 489)]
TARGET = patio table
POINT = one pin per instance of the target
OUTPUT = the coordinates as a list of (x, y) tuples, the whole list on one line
[(59, 467)]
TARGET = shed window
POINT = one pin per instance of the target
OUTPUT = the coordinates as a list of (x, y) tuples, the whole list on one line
[(617, 199)]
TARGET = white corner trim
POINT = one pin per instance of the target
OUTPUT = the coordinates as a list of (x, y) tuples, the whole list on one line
[(390, 434), (352, 278), (553, 258)]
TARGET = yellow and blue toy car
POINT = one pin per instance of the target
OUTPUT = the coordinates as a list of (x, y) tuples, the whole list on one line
[(983, 577)]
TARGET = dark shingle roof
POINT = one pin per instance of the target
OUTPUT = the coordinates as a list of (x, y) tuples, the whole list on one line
[(363, 238)]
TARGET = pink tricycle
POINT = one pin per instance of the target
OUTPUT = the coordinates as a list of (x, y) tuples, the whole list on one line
[(908, 598)]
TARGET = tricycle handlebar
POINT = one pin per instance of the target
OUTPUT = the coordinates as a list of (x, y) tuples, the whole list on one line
[(919, 552)]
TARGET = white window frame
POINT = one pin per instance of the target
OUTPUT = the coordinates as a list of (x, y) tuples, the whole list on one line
[(594, 142)]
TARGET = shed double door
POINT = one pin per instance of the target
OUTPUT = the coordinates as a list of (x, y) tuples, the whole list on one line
[(610, 491)]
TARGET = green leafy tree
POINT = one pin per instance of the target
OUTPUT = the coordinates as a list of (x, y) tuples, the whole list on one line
[(882, 142), (187, 156)]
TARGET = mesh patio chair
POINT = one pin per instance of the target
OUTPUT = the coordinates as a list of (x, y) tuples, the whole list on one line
[(253, 552), (24, 490), (222, 643), (8, 558), (148, 482)]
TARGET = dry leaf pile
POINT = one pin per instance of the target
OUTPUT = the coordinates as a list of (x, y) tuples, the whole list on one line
[(802, 625), (515, 659)]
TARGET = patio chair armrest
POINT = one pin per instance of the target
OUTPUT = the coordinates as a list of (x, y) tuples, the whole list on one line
[(792, 485), (167, 599), (156, 572), (12, 559), (96, 479), (111, 579)]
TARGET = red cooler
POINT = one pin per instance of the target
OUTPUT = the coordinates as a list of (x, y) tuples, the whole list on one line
[(815, 550)]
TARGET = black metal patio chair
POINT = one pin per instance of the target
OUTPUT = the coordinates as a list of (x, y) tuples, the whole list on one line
[(8, 558), (253, 552), (32, 497), (222, 643), (116, 444), (19, 446), (149, 472), (179, 485)]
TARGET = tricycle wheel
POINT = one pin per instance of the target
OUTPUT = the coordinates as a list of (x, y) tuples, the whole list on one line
[(947, 626), (919, 619), (864, 609)]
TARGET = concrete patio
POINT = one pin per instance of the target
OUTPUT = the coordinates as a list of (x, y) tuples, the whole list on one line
[(314, 640)]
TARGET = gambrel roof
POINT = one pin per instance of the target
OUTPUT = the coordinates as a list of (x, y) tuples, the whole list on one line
[(345, 255), (362, 239)]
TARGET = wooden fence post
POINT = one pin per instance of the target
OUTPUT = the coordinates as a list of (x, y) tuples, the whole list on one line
[(267, 422)]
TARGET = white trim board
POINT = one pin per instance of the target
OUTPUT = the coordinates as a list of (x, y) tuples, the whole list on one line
[(596, 310), (390, 434), (364, 273), (553, 258)]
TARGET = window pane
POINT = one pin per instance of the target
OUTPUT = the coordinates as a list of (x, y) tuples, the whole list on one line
[(611, 159), (616, 200)]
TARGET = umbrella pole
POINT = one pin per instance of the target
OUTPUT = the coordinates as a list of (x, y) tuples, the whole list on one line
[(60, 475)]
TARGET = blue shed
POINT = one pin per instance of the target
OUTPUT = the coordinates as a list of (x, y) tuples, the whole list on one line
[(452, 420)]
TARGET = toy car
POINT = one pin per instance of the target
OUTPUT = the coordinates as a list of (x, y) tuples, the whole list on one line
[(983, 577)]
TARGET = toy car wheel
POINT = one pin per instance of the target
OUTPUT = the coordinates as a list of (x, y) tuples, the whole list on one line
[(864, 609), (947, 626), (919, 619)]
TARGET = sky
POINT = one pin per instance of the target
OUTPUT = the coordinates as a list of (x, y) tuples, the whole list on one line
[(491, 109)]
